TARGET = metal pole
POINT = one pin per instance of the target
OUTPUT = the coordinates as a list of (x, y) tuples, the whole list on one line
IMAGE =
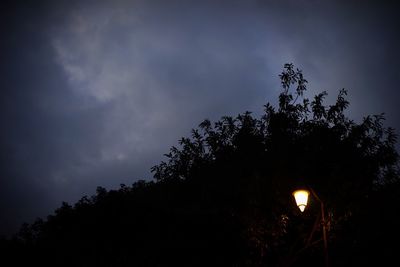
[(323, 222), (324, 235)]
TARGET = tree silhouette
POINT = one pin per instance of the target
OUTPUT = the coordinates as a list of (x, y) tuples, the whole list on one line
[(223, 196)]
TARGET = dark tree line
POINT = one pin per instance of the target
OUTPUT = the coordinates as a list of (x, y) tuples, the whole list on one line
[(223, 197)]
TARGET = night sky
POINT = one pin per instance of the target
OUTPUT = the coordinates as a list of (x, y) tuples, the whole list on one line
[(93, 93)]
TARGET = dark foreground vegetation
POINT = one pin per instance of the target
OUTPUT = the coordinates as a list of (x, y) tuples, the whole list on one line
[(223, 197)]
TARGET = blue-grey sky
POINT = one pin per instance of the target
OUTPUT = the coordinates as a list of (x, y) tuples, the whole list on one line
[(93, 93)]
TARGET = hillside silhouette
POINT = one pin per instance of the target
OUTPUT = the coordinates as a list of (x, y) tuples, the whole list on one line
[(223, 197)]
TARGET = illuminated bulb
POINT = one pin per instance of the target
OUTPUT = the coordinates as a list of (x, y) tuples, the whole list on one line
[(301, 197)]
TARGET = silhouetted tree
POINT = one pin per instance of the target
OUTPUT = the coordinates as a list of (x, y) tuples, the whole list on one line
[(223, 197)]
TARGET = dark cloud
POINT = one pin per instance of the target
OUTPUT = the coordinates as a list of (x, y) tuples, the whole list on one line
[(94, 92)]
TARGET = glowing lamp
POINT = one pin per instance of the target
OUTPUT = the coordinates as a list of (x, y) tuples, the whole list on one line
[(301, 197)]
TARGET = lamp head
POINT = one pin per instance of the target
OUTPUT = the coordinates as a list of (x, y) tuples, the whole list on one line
[(301, 197)]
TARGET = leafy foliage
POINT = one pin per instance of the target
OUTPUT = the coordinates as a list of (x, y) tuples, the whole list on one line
[(223, 196)]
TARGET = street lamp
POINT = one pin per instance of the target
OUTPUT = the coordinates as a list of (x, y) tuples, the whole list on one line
[(301, 198)]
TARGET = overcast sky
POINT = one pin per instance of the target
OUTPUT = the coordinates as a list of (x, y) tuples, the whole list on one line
[(93, 93)]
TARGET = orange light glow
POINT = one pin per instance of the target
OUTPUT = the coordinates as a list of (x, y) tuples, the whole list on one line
[(301, 197)]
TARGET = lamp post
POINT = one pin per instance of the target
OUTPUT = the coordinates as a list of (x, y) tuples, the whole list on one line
[(301, 197)]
